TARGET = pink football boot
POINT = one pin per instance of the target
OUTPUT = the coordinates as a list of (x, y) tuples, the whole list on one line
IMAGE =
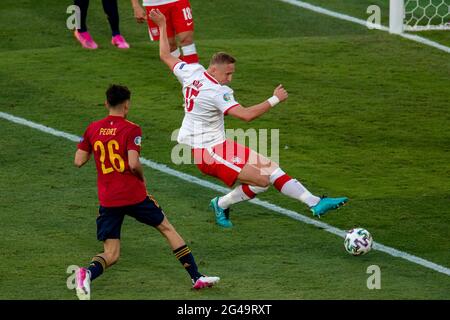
[(205, 281), (83, 281), (86, 40), (119, 42)]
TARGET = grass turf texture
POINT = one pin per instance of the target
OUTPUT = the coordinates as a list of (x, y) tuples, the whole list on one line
[(367, 118)]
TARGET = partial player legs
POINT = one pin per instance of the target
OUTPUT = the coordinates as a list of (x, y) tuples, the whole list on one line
[(256, 176), (84, 6), (183, 24), (82, 34), (261, 171), (169, 232), (111, 251), (183, 254), (174, 50), (188, 49), (84, 276), (112, 13), (221, 205)]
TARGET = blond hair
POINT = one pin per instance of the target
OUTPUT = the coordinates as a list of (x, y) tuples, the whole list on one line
[(222, 58)]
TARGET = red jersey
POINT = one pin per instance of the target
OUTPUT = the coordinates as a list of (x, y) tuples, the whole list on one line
[(110, 139)]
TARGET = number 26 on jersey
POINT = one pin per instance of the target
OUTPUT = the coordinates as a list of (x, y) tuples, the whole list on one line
[(115, 159)]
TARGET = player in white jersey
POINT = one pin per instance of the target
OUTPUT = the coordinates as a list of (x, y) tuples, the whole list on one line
[(207, 101), (180, 25)]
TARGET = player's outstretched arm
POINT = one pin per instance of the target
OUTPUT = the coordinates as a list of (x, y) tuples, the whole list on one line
[(81, 157), (164, 47), (250, 113)]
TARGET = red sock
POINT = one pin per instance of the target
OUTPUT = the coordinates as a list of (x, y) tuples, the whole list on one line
[(248, 192), (189, 54), (192, 58)]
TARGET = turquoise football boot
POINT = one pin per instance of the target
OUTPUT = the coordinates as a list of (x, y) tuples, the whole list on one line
[(327, 204), (222, 215)]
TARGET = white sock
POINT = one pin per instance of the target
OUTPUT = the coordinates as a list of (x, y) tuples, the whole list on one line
[(276, 174), (296, 190), (238, 195), (292, 188), (176, 53), (189, 50)]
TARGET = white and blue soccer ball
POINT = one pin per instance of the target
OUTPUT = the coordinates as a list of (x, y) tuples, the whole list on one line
[(358, 241)]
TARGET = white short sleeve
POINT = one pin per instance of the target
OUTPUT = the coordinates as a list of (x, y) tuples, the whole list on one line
[(184, 71), (224, 100)]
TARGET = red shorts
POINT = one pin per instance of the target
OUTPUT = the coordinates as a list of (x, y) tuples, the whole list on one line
[(178, 19), (224, 161)]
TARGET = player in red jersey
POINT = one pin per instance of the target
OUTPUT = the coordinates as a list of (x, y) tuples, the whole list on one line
[(180, 24), (116, 144)]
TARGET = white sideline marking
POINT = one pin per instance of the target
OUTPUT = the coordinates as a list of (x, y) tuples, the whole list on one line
[(186, 177), (362, 22)]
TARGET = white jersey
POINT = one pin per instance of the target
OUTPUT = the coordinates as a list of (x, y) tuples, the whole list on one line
[(205, 103), (148, 3)]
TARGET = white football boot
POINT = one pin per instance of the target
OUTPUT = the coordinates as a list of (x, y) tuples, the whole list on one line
[(205, 281)]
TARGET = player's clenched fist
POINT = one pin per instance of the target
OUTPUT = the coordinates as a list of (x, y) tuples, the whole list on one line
[(280, 93), (139, 14), (157, 17)]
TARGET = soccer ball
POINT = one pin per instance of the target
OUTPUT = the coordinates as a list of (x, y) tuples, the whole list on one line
[(358, 241)]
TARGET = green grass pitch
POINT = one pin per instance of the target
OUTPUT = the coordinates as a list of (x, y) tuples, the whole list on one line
[(367, 117)]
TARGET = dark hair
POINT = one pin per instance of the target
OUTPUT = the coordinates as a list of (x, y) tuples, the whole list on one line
[(117, 94), (222, 58)]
